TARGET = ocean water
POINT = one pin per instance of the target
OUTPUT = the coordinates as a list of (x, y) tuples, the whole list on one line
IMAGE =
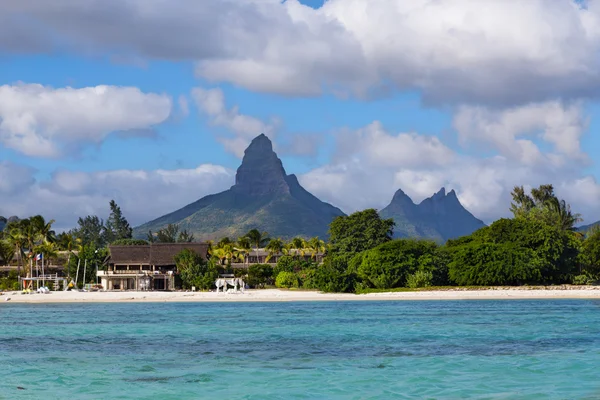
[(309, 350)]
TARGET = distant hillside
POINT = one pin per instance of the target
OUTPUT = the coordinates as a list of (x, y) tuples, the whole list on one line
[(9, 219), (263, 197), (586, 228), (440, 217)]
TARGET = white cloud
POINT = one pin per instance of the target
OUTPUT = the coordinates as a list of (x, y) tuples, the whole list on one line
[(501, 52), (380, 148), (560, 125), (244, 127), (41, 121), (69, 195), (363, 174)]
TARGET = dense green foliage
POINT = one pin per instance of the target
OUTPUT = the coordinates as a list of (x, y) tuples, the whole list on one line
[(357, 232), (589, 256), (170, 234), (195, 271), (260, 275), (287, 280), (389, 265)]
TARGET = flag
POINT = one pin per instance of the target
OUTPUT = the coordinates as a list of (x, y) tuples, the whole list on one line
[(38, 257)]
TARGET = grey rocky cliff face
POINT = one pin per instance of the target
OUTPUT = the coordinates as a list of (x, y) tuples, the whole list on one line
[(261, 172)]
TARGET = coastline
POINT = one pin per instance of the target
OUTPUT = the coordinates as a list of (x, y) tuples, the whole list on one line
[(276, 295)]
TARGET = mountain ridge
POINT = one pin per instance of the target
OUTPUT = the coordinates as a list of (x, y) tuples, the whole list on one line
[(439, 217)]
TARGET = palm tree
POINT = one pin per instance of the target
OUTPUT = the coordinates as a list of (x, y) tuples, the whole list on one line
[(44, 229), (275, 246), (257, 239), (563, 217), (243, 246), (67, 242), (316, 246), (17, 240), (299, 246)]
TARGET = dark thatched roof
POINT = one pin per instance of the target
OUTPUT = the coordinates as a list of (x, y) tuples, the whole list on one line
[(159, 254), (130, 254)]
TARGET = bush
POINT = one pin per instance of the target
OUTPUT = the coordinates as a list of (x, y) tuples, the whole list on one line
[(487, 264), (287, 280), (419, 279), (260, 275), (291, 264), (333, 277), (583, 280), (307, 278), (388, 265)]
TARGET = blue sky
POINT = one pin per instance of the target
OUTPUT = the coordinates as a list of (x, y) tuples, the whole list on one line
[(360, 99)]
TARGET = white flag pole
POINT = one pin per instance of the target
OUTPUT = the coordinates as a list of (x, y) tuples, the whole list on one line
[(43, 276)]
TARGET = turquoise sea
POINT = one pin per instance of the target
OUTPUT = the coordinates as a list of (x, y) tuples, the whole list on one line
[(314, 350)]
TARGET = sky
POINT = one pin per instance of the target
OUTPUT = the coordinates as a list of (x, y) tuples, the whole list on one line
[(152, 103)]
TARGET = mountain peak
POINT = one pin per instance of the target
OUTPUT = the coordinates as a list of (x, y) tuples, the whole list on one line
[(439, 217), (261, 143), (440, 194), (261, 171), (401, 197)]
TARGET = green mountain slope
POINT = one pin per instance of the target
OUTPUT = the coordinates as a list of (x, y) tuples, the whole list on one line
[(586, 228), (440, 217), (263, 197)]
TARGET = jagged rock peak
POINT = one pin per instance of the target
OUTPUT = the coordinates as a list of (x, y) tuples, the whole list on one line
[(261, 144), (261, 171), (440, 194), (400, 196)]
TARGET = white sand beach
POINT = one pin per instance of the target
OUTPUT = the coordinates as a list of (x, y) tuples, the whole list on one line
[(275, 295)]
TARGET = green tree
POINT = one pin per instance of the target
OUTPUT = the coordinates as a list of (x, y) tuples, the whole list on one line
[(358, 232), (185, 237), (67, 242), (7, 251), (495, 264), (167, 234), (316, 246), (195, 271), (15, 236), (243, 247), (589, 257), (274, 247), (257, 239), (117, 227), (90, 231), (545, 247), (260, 275), (543, 205), (89, 258), (287, 280), (388, 265), (297, 247)]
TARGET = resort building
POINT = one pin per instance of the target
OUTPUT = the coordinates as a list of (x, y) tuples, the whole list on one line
[(145, 267)]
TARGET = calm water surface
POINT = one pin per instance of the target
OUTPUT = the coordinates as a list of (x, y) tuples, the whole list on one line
[(330, 350)]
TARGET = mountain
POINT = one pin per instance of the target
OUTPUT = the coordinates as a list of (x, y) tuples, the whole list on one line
[(586, 228), (440, 217), (9, 219), (263, 197)]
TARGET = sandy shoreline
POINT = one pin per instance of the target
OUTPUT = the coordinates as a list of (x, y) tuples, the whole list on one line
[(274, 295)]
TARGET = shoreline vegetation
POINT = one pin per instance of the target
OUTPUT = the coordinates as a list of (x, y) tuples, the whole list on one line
[(279, 295), (538, 246)]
